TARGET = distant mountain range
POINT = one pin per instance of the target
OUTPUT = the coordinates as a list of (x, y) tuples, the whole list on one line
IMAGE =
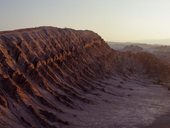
[(161, 51), (155, 41)]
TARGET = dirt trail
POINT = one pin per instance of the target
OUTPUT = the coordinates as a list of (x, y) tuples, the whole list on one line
[(124, 103)]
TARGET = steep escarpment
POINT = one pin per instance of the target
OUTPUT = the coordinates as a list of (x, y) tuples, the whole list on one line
[(44, 71), (48, 75)]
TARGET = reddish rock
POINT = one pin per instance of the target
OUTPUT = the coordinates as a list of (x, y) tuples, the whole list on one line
[(45, 70)]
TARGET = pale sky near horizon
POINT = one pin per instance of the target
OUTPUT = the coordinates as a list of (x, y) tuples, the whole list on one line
[(114, 20)]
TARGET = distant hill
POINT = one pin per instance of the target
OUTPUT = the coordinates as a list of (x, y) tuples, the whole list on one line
[(133, 48), (161, 51), (155, 41)]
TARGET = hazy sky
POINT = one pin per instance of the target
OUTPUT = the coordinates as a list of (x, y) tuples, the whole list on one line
[(114, 20)]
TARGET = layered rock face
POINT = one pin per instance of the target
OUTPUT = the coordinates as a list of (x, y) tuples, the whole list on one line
[(46, 74), (44, 71)]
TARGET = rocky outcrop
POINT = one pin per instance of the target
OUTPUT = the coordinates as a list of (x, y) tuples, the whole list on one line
[(46, 69), (142, 63)]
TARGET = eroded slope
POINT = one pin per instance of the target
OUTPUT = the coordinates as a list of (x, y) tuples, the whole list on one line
[(48, 75), (45, 69)]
